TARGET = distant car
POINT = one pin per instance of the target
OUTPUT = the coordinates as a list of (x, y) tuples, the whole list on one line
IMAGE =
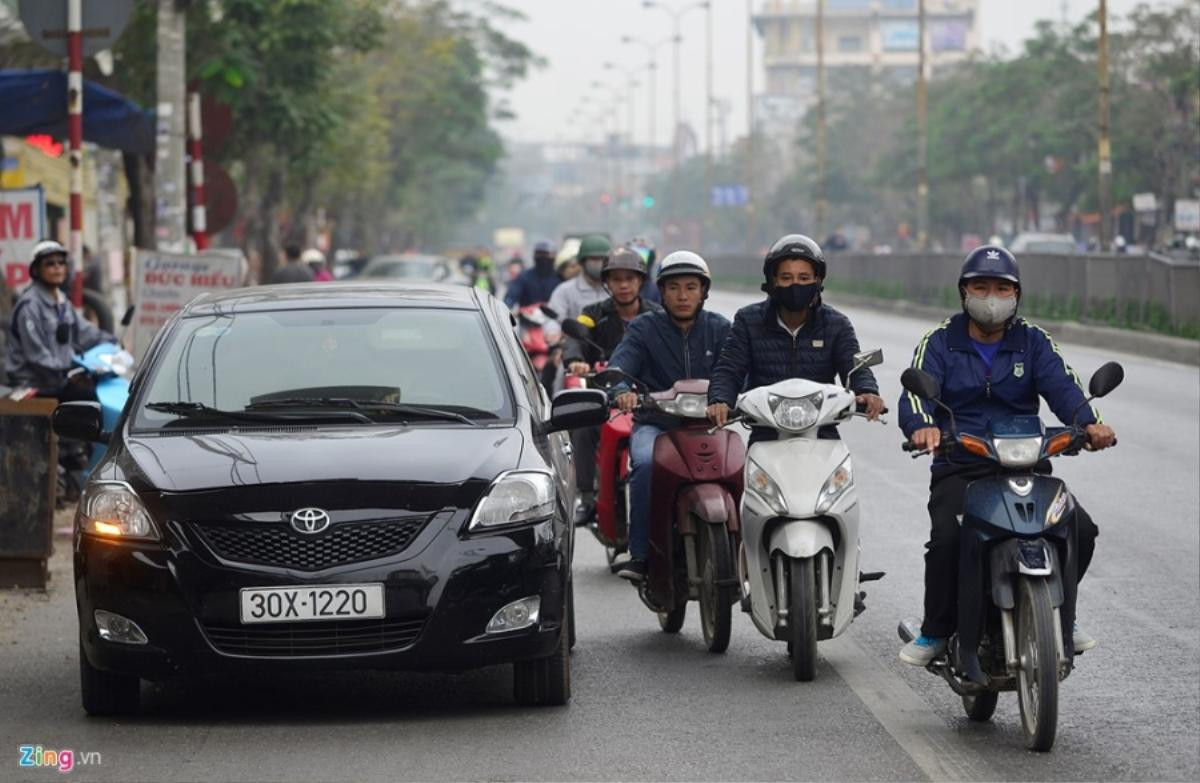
[(1029, 242), (357, 476), (414, 267)]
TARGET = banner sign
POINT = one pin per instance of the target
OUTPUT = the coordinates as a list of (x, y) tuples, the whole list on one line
[(165, 282), (22, 225)]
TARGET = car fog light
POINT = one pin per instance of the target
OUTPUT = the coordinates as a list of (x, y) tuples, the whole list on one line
[(115, 628), (517, 615)]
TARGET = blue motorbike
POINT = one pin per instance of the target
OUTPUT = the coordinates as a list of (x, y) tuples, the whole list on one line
[(1017, 564), (110, 368)]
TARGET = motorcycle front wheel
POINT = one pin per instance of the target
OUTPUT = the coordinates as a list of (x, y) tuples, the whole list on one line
[(802, 617), (716, 601), (1037, 677), (980, 706)]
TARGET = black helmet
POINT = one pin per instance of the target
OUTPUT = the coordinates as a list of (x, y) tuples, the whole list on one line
[(623, 258), (990, 261), (793, 246)]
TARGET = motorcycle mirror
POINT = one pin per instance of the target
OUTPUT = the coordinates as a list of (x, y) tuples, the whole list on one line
[(548, 311), (573, 328), (920, 383), (1105, 379), (867, 359), (128, 317), (606, 378)]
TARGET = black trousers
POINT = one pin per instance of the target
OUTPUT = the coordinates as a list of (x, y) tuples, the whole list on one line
[(947, 492), (585, 443)]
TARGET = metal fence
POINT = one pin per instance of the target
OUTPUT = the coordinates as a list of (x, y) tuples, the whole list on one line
[(1134, 292)]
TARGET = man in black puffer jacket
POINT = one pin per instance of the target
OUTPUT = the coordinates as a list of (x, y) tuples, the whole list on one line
[(793, 334)]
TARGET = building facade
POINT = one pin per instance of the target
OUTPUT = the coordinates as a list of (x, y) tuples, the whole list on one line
[(878, 37)]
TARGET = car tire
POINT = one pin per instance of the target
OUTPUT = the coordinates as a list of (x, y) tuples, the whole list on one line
[(546, 682), (105, 693)]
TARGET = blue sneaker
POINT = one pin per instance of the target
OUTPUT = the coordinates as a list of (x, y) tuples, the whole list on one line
[(923, 650)]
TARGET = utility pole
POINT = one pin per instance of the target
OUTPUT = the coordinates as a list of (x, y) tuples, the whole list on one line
[(1105, 147), (75, 139), (750, 150), (708, 120), (170, 189), (822, 195), (922, 135)]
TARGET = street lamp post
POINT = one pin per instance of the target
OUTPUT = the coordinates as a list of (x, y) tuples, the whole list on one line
[(652, 67), (677, 15), (631, 84)]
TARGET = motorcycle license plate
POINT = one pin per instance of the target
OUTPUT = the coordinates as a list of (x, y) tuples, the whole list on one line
[(311, 604)]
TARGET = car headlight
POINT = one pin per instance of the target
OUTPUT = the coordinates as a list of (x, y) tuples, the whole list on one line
[(111, 509), (1017, 452), (762, 485), (688, 406), (836, 485), (515, 498), (796, 414)]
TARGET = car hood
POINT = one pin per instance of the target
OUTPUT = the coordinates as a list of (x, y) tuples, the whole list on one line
[(183, 462)]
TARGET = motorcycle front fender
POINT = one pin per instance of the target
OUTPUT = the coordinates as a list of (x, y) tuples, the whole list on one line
[(709, 503), (800, 538)]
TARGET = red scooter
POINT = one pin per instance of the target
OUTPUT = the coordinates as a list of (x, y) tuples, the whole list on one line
[(611, 525), (531, 322), (695, 526)]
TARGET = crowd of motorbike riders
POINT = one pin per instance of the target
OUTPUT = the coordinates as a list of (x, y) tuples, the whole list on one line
[(648, 319)]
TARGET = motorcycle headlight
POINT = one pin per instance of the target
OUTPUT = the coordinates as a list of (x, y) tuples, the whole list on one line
[(111, 509), (516, 498), (1017, 452), (688, 406), (836, 485), (762, 485), (796, 414)]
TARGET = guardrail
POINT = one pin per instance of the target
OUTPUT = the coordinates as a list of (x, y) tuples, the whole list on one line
[(1149, 293)]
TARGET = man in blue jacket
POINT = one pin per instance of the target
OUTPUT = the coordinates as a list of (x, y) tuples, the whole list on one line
[(536, 284), (660, 348), (990, 363), (793, 334)]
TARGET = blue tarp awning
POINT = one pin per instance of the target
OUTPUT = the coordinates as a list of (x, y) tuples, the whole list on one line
[(35, 101)]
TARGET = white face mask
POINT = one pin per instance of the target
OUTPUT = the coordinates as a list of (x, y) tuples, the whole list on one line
[(991, 312)]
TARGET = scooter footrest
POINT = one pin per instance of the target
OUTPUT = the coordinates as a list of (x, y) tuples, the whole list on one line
[(871, 576)]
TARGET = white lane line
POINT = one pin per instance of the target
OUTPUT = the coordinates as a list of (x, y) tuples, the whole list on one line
[(915, 727)]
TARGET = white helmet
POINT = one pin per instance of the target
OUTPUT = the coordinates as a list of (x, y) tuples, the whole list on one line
[(47, 247), (683, 262), (312, 256)]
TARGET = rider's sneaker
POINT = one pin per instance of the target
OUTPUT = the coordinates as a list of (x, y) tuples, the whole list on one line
[(635, 570), (584, 514), (922, 650), (1082, 641)]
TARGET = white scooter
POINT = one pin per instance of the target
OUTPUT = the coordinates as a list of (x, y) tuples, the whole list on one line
[(799, 557)]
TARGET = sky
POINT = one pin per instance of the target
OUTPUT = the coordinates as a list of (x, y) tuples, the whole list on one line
[(576, 37)]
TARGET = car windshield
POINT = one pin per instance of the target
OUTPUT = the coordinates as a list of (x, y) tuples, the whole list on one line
[(345, 365)]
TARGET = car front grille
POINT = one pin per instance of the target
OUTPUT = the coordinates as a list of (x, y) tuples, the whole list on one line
[(298, 640), (280, 546)]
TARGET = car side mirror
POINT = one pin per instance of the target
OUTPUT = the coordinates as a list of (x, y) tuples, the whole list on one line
[(920, 383), (80, 421), (128, 317), (575, 409), (867, 359), (1105, 379), (573, 328)]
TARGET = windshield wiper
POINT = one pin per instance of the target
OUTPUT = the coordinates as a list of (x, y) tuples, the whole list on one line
[(373, 406), (200, 410)]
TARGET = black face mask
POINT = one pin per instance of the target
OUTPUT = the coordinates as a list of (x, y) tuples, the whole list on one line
[(544, 264), (795, 297)]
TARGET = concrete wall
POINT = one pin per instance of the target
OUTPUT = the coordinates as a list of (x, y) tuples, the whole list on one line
[(1138, 292)]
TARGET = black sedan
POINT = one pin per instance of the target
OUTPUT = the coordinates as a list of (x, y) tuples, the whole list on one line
[(316, 476)]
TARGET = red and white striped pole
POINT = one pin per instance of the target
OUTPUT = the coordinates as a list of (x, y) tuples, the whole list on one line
[(75, 140), (195, 139)]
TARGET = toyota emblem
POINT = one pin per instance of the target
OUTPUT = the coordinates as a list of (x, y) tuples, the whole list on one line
[(310, 520)]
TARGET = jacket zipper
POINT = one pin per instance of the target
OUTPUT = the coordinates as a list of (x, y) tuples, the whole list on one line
[(687, 356)]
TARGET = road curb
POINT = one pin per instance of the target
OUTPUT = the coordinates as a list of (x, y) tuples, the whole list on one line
[(1145, 344)]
